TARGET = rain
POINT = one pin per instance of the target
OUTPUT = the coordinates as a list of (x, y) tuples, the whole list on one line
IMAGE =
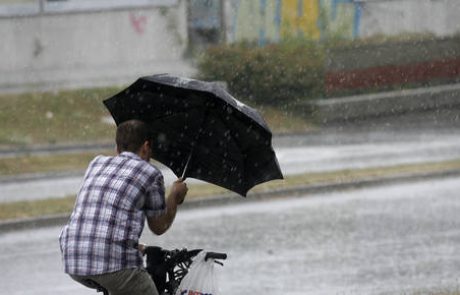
[(319, 139)]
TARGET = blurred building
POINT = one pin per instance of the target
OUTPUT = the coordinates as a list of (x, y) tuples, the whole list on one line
[(79, 43), (272, 20)]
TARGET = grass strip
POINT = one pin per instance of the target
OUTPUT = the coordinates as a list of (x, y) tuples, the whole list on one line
[(48, 163), (27, 209), (75, 116), (51, 117)]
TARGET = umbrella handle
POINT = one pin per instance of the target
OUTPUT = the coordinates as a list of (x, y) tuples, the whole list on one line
[(197, 138), (186, 165)]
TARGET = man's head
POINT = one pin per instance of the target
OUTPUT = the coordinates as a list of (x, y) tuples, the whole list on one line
[(133, 136)]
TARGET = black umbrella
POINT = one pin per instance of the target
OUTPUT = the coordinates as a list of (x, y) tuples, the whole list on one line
[(200, 131)]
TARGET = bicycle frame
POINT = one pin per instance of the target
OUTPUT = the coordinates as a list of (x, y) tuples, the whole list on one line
[(168, 268)]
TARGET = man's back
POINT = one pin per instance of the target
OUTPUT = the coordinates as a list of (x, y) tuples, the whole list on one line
[(109, 214)]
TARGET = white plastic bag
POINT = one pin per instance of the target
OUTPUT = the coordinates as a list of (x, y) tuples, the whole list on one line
[(200, 279)]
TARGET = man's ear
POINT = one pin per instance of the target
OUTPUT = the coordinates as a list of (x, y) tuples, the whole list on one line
[(145, 150), (144, 147), (147, 144)]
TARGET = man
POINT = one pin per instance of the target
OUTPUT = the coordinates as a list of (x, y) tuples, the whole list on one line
[(100, 242)]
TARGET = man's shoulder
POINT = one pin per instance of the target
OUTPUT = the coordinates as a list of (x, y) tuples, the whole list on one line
[(100, 159), (151, 169), (142, 165), (128, 163)]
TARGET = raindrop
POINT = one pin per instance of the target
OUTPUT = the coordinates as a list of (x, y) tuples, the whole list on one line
[(161, 137)]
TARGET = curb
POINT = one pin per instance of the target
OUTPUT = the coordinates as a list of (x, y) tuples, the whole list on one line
[(380, 104), (231, 198)]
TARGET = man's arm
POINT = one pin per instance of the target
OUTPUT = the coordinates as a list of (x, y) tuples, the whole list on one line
[(159, 225)]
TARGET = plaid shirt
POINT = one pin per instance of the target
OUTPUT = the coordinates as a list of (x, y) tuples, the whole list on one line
[(109, 215)]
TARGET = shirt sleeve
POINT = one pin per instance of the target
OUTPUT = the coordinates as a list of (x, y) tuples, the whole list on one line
[(155, 204)]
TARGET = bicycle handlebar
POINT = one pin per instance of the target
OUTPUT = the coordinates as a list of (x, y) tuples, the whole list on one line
[(190, 253), (215, 255)]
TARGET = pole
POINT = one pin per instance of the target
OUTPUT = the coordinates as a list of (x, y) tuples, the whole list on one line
[(223, 21), (41, 6)]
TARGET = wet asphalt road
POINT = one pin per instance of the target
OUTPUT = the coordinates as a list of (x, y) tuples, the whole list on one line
[(394, 239), (331, 149)]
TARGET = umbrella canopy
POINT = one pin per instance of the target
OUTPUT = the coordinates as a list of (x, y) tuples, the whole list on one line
[(200, 131)]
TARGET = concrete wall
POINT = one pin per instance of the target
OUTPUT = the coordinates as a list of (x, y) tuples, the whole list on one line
[(392, 53), (85, 49), (385, 104), (351, 69), (440, 17)]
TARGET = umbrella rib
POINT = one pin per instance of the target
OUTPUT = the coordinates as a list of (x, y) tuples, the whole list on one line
[(175, 113)]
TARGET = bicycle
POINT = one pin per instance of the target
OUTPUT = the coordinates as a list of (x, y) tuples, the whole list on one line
[(167, 267)]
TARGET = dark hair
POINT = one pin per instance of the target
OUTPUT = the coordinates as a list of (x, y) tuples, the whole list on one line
[(131, 135)]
